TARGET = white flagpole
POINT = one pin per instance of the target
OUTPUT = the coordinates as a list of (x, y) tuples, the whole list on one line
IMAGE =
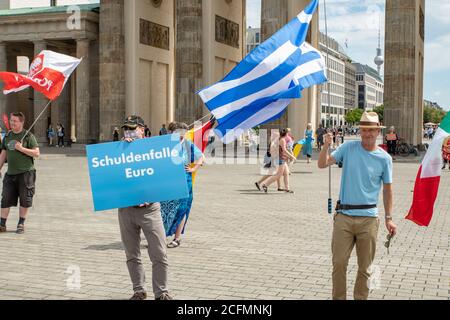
[(330, 200), (35, 121)]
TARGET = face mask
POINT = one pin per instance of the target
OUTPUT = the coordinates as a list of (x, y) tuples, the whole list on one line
[(131, 134)]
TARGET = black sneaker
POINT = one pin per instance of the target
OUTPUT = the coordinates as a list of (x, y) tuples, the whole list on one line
[(140, 295), (164, 296), (20, 229)]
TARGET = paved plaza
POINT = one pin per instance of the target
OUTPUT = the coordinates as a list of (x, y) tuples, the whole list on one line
[(239, 244)]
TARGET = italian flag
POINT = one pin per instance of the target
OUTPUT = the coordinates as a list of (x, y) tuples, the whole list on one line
[(428, 178)]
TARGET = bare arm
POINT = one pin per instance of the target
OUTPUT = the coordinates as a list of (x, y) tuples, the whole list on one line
[(325, 160), (285, 150), (2, 158), (34, 153), (387, 200)]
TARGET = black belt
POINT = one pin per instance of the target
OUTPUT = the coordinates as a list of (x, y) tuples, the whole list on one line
[(340, 206)]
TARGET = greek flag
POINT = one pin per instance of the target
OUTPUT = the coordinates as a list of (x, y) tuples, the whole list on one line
[(261, 86)]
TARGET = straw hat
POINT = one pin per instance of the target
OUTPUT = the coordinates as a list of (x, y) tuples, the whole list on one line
[(370, 120)]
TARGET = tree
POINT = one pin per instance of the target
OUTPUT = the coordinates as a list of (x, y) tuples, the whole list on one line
[(380, 111), (433, 115), (353, 116)]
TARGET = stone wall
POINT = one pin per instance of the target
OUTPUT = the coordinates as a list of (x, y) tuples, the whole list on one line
[(403, 98), (112, 67), (189, 60)]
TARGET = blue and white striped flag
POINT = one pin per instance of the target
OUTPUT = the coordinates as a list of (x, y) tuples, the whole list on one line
[(261, 86)]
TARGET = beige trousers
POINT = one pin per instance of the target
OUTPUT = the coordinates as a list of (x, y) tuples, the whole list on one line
[(349, 231)]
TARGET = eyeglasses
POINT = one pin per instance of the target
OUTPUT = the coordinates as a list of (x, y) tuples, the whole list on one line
[(387, 244)]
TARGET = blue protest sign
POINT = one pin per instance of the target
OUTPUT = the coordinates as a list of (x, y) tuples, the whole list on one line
[(126, 174)]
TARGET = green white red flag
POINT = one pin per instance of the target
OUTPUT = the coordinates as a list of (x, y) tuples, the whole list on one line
[(429, 176)]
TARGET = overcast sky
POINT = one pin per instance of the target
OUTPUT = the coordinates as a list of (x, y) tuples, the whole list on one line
[(358, 22)]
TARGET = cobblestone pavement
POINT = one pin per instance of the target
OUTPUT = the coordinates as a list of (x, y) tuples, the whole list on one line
[(240, 243)]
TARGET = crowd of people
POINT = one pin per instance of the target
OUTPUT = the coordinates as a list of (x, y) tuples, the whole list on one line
[(355, 222)]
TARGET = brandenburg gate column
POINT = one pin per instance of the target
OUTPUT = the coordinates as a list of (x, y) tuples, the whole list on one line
[(403, 72), (274, 15), (82, 92), (40, 101), (3, 67)]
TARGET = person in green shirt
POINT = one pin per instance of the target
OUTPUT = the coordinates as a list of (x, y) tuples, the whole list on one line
[(20, 178)]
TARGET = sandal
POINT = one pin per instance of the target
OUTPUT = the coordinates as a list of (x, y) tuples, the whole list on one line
[(264, 188), (257, 186), (289, 191), (281, 190), (175, 243)]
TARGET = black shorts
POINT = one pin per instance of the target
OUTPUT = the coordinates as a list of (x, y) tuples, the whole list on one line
[(20, 186)]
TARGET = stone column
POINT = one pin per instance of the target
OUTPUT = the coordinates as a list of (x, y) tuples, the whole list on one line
[(73, 110), (40, 101), (3, 67), (274, 15), (403, 95), (5, 4), (112, 67), (82, 92), (189, 60)]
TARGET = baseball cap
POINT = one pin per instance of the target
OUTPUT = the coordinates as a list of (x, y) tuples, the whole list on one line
[(132, 122)]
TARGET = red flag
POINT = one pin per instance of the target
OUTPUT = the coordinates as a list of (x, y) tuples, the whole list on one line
[(48, 74), (199, 135)]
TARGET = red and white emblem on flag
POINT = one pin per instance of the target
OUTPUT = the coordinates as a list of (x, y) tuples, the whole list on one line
[(48, 74)]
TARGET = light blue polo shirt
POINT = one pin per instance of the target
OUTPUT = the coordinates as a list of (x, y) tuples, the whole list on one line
[(363, 174)]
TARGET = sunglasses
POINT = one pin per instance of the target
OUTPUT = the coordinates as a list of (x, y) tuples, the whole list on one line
[(387, 244)]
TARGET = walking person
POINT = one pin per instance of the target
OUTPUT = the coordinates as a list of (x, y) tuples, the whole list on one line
[(19, 181), (307, 147), (366, 168), (283, 169), (319, 133), (145, 217), (175, 213), (271, 161), (60, 134)]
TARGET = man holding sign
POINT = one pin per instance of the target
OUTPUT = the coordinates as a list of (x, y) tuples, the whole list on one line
[(146, 216)]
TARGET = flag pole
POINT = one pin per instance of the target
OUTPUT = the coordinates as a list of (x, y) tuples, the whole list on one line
[(208, 115), (330, 200), (35, 121)]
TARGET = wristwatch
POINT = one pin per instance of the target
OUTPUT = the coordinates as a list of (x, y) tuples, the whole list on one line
[(388, 217)]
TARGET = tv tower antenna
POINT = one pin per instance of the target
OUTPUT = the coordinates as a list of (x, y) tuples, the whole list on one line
[(379, 60)]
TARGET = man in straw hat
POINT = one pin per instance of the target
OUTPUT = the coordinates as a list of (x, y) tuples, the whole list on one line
[(366, 168)]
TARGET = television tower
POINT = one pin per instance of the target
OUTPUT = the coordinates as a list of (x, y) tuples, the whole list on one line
[(379, 60)]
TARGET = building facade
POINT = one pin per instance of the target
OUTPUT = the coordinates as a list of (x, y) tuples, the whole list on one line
[(146, 57), (350, 85), (370, 87), (333, 110), (253, 38), (24, 33)]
